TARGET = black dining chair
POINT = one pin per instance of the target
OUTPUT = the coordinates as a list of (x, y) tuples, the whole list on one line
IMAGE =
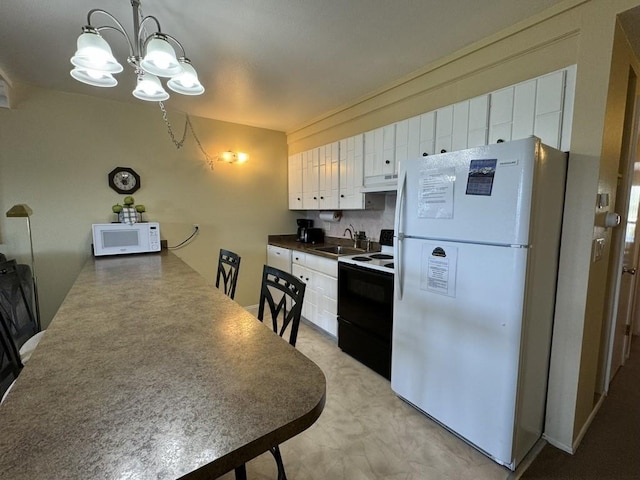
[(283, 294), (228, 268), (10, 364), (16, 305), (290, 297)]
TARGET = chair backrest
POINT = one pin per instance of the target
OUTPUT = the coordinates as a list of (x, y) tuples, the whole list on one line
[(15, 301), (10, 364), (228, 267), (291, 298)]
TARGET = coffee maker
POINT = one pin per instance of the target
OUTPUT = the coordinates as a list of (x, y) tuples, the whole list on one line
[(303, 225)]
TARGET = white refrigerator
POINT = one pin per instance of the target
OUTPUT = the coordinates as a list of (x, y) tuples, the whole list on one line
[(476, 260)]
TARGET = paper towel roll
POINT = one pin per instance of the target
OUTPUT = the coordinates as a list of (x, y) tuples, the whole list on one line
[(330, 216)]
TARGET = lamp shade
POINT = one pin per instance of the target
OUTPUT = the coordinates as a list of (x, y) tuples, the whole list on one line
[(95, 53), (187, 82), (150, 89), (94, 77), (20, 210), (160, 59)]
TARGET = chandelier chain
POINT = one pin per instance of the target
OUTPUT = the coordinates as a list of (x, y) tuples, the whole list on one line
[(179, 144)]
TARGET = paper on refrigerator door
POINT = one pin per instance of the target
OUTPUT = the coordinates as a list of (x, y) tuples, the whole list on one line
[(436, 193), (438, 267)]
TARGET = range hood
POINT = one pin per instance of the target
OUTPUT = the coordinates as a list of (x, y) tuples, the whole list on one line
[(380, 183)]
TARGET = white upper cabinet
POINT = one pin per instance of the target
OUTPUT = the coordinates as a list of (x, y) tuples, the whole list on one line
[(310, 179), (478, 124), (295, 182), (421, 132), (329, 176), (549, 101), (444, 129), (379, 156), (542, 107), (337, 175), (462, 125), (351, 166)]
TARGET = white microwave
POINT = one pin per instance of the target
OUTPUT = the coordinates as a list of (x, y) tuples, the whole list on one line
[(123, 238)]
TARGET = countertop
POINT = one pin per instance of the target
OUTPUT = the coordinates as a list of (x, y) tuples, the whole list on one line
[(148, 372), (289, 241)]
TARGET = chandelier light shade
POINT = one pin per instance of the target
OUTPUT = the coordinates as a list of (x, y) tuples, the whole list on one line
[(149, 88), (151, 55), (94, 77), (161, 58), (187, 82), (95, 53)]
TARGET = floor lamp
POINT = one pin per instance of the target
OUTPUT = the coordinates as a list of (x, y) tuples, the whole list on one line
[(23, 211)]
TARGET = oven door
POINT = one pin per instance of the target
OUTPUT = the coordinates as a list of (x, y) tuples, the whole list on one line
[(365, 316), (365, 299)]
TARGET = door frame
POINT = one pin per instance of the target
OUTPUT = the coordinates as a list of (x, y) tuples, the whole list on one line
[(628, 155)]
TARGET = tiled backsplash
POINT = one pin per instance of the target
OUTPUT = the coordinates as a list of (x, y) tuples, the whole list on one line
[(371, 221)]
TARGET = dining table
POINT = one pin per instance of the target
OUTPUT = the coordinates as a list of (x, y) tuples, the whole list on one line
[(147, 371)]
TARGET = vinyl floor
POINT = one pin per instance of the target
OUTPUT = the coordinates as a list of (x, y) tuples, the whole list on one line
[(366, 432)]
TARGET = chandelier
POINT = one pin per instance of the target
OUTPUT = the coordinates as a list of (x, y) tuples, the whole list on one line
[(151, 55)]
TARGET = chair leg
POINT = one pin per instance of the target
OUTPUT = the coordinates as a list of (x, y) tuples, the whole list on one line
[(275, 451), (241, 473)]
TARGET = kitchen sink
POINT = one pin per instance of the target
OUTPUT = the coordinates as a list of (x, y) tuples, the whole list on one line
[(340, 250)]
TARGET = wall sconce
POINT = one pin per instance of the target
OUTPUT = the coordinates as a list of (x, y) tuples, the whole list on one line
[(23, 211), (233, 157)]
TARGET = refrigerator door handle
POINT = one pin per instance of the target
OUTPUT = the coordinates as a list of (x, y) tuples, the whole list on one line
[(397, 254)]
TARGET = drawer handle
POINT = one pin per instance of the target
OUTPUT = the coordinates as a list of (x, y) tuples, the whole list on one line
[(443, 151), (500, 140), (387, 162), (425, 154)]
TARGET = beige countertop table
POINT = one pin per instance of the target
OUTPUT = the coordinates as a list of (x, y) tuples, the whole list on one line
[(147, 372)]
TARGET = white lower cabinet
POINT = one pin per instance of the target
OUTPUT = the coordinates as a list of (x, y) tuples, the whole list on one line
[(320, 274)]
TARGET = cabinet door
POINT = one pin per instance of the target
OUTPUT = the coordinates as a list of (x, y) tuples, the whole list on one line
[(460, 123), (351, 172), (388, 160), (402, 140), (326, 291), (427, 134), (501, 115), (549, 102), (310, 182), (329, 175), (478, 125), (324, 174), (295, 182), (524, 109), (470, 123), (379, 151), (371, 164), (309, 302), (444, 129)]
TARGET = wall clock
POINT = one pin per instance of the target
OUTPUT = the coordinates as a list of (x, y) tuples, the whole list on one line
[(124, 180)]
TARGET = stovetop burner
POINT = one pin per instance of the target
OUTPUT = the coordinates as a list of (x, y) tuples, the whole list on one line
[(381, 261), (381, 256)]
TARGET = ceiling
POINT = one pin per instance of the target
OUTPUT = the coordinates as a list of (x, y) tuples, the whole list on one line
[(275, 64)]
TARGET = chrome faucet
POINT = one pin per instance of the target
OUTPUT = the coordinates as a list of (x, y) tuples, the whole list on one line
[(351, 229)]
